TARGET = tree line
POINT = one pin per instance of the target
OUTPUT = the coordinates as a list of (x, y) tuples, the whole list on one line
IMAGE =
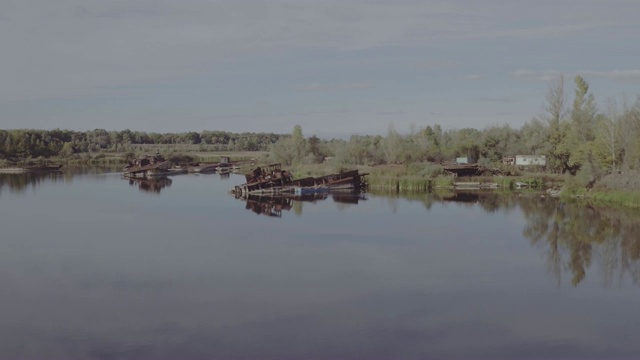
[(577, 137), (574, 137), (30, 144)]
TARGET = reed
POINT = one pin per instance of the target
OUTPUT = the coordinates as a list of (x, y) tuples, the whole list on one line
[(389, 183), (443, 182), (407, 183), (414, 184)]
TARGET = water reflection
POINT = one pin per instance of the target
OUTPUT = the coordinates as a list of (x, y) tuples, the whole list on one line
[(274, 205), (89, 272), (17, 183), (571, 236), (150, 185)]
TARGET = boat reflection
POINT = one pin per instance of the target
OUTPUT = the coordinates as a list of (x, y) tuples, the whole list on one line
[(150, 185), (273, 205)]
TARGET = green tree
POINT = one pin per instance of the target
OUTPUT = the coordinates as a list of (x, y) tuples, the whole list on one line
[(554, 116), (579, 141)]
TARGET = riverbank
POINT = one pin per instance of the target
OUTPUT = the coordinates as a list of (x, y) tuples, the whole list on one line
[(618, 190), (425, 177), (121, 158)]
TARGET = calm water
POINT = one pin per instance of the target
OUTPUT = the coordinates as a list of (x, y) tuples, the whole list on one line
[(95, 267)]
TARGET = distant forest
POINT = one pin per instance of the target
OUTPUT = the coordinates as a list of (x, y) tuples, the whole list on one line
[(574, 136), (30, 144)]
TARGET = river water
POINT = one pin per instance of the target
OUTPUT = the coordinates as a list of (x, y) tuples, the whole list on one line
[(93, 266)]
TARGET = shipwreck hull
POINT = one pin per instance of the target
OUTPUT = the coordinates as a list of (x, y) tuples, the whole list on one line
[(274, 180)]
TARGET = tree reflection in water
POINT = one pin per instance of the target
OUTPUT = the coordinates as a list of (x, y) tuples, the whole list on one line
[(18, 183), (572, 235)]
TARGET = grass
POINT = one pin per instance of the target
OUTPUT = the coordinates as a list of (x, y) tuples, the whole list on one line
[(615, 198)]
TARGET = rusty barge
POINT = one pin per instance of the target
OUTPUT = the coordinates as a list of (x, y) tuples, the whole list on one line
[(272, 179), (148, 166), (225, 165)]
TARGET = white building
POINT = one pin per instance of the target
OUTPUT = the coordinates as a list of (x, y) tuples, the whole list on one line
[(529, 160)]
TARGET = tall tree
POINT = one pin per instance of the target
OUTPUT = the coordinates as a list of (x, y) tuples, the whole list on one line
[(554, 116), (580, 136)]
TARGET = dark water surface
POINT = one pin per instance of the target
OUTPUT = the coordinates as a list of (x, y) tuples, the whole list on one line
[(95, 267)]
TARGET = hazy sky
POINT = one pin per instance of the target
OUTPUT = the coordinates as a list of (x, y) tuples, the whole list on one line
[(333, 67)]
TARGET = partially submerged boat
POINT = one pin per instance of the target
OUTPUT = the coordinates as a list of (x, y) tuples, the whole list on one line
[(202, 168), (148, 166), (272, 179), (225, 165)]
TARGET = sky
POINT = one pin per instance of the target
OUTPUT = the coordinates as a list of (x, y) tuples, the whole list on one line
[(333, 67)]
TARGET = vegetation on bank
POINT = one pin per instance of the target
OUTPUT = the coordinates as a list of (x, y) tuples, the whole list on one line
[(593, 150), (28, 144), (583, 147)]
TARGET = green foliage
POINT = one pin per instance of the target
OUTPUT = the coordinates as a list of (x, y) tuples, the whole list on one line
[(28, 144), (443, 182), (573, 187), (179, 158), (577, 140)]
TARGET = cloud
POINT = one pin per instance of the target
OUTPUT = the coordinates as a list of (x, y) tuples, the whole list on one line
[(74, 48), (333, 87), (630, 75), (502, 99), (399, 112), (531, 75), (355, 86), (472, 77), (437, 64), (618, 75), (548, 31)]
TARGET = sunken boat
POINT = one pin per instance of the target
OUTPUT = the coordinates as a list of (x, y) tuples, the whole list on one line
[(148, 166), (224, 166), (272, 179)]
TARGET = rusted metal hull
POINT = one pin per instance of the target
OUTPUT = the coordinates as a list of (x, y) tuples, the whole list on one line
[(274, 180), (203, 168), (159, 169)]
